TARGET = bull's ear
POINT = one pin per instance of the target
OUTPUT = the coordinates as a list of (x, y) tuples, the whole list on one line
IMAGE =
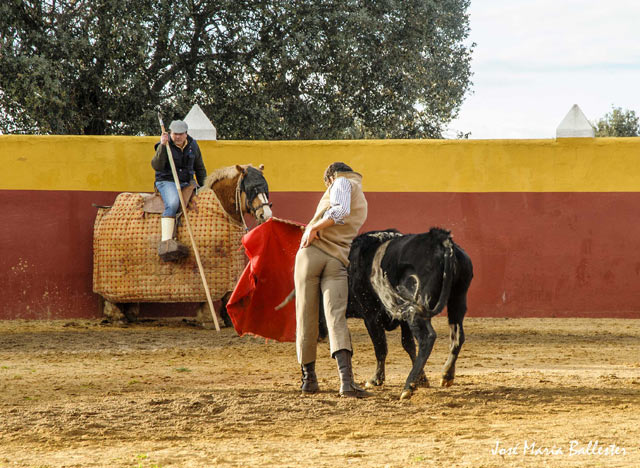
[(241, 169), (261, 167)]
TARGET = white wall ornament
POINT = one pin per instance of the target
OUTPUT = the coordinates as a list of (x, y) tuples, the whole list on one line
[(575, 125), (200, 127)]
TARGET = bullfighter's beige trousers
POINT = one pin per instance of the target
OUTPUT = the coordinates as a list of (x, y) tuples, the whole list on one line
[(317, 272)]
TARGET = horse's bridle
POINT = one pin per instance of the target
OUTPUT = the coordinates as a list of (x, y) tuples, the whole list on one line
[(252, 209), (248, 208)]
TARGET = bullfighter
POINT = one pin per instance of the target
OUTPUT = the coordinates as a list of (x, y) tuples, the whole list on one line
[(321, 269)]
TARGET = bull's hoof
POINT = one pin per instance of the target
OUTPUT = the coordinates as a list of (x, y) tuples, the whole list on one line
[(422, 381), (406, 394), (446, 382), (374, 382)]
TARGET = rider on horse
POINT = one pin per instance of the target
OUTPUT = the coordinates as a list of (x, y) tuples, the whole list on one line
[(188, 161)]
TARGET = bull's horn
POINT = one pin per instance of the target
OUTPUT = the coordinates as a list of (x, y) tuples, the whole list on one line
[(287, 299)]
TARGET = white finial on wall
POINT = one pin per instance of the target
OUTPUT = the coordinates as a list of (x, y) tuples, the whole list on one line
[(575, 125), (200, 127)]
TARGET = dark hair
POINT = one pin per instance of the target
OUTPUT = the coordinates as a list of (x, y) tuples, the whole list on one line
[(336, 167)]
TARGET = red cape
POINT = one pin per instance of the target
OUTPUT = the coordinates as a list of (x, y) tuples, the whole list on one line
[(266, 282)]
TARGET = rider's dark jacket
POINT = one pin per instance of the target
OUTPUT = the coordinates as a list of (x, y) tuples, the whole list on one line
[(188, 161)]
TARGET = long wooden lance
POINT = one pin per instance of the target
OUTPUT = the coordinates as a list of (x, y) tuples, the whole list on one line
[(186, 218)]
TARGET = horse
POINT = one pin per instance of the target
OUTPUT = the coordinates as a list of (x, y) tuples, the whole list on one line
[(127, 269), (241, 189)]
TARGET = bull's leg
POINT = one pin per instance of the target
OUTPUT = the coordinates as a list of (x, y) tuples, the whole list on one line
[(426, 337), (323, 331), (379, 340), (456, 309), (409, 345), (457, 339)]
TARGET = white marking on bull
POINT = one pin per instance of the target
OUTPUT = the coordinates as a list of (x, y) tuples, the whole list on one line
[(398, 307), (384, 235)]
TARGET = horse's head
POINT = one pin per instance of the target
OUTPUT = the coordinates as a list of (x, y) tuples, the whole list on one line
[(254, 193)]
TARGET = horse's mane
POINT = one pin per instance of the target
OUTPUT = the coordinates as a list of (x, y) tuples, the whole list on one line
[(222, 173)]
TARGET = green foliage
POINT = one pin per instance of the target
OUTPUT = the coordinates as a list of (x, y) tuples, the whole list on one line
[(618, 123), (143, 461), (280, 69)]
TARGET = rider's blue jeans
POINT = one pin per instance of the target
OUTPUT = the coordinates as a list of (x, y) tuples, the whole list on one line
[(170, 198)]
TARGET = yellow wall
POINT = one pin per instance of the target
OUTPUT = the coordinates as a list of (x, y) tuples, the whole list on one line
[(123, 163)]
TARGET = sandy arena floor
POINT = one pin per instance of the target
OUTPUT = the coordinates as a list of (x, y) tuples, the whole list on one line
[(546, 392)]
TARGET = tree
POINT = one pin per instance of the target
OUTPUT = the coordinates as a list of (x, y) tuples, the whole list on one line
[(279, 69), (618, 123)]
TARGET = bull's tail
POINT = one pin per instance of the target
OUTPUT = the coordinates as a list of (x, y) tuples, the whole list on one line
[(447, 279), (286, 299)]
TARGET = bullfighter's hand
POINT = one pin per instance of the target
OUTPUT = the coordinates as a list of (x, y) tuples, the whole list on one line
[(308, 237), (164, 138)]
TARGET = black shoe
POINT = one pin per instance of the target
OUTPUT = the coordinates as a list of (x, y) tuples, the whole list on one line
[(355, 392), (348, 386), (309, 378)]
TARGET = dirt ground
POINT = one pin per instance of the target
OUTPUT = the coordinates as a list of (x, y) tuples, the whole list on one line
[(528, 393)]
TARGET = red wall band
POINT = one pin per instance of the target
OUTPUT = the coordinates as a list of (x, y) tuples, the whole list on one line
[(535, 254)]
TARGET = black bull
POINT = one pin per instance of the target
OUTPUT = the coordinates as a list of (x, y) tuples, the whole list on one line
[(405, 280)]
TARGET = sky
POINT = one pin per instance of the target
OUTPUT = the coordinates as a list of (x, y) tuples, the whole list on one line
[(534, 59)]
